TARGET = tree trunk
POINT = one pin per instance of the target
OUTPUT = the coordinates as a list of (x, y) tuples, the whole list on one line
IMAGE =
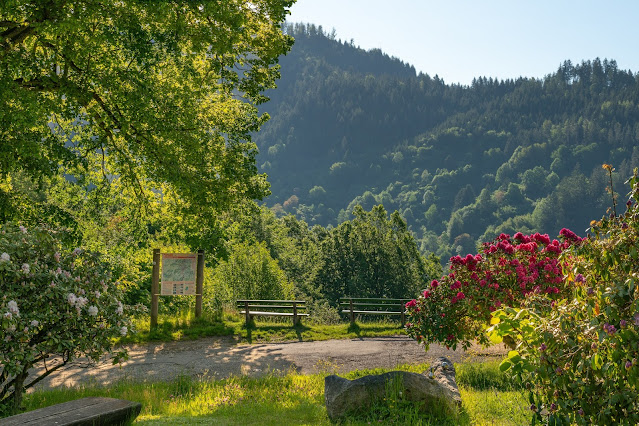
[(18, 391)]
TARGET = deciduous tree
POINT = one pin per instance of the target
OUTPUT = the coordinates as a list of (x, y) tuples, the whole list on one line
[(160, 95)]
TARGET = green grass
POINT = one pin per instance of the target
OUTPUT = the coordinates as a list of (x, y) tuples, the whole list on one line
[(298, 400), (271, 330)]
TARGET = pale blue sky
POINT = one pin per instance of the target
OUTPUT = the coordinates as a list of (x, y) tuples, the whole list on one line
[(462, 39)]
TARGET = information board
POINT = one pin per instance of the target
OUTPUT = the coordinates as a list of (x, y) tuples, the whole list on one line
[(178, 274)]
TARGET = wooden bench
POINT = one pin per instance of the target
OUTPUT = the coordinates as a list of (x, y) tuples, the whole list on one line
[(373, 306), (291, 308), (92, 411)]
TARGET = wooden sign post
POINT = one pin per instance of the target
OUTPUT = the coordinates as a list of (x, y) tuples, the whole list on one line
[(199, 283), (155, 288), (182, 275)]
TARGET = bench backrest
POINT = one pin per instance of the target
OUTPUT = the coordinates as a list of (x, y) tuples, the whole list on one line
[(373, 303)]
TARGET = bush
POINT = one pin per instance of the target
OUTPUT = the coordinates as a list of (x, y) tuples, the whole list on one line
[(249, 273), (456, 309), (54, 303), (579, 358)]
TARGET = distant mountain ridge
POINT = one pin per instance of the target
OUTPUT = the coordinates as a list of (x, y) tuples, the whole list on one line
[(460, 163)]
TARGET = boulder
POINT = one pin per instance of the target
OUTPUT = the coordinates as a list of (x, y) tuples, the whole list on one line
[(435, 387)]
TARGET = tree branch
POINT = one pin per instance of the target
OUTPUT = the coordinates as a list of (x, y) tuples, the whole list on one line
[(16, 35), (48, 372)]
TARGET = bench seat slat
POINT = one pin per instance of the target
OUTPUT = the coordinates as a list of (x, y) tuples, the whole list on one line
[(270, 306), (370, 299), (348, 311), (385, 305), (271, 301), (279, 314)]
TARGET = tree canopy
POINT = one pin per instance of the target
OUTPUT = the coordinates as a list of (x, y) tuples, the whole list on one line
[(159, 96)]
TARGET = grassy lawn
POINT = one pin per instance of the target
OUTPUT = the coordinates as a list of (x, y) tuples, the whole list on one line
[(185, 326), (297, 399)]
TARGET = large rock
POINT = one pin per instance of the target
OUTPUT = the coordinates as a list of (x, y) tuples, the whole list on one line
[(436, 387)]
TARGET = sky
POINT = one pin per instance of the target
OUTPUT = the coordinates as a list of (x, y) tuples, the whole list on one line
[(462, 39)]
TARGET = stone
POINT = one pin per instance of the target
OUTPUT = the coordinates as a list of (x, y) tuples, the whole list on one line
[(435, 387)]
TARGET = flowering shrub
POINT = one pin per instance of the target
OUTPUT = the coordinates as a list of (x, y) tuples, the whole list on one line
[(52, 303), (456, 309), (579, 359)]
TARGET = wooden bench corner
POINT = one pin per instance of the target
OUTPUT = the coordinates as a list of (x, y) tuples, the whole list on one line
[(90, 411)]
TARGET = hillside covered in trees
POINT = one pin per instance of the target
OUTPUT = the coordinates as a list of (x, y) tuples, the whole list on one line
[(460, 163)]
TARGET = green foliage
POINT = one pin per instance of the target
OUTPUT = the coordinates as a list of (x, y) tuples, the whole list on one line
[(249, 273), (371, 256), (135, 116), (54, 303), (579, 358), (411, 141)]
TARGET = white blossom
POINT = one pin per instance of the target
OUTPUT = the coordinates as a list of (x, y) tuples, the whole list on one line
[(11, 328), (81, 301), (26, 268), (76, 251), (56, 256), (13, 307), (120, 309), (71, 298), (124, 331), (93, 311), (8, 315), (23, 229), (5, 257), (35, 323), (97, 294)]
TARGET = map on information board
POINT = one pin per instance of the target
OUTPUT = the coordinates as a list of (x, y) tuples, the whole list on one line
[(178, 274)]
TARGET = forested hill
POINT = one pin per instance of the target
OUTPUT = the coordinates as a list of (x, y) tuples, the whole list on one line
[(460, 163)]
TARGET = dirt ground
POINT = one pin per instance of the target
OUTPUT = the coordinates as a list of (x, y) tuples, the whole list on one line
[(218, 357)]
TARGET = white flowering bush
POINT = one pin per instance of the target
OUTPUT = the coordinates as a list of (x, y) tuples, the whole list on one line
[(55, 305)]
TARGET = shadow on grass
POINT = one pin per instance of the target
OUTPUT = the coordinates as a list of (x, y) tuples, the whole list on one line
[(265, 331), (355, 328), (168, 331), (299, 329)]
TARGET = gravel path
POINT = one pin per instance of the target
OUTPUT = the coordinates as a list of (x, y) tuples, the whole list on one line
[(221, 357)]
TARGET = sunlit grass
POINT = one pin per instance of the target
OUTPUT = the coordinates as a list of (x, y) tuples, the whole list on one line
[(185, 326), (298, 399)]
